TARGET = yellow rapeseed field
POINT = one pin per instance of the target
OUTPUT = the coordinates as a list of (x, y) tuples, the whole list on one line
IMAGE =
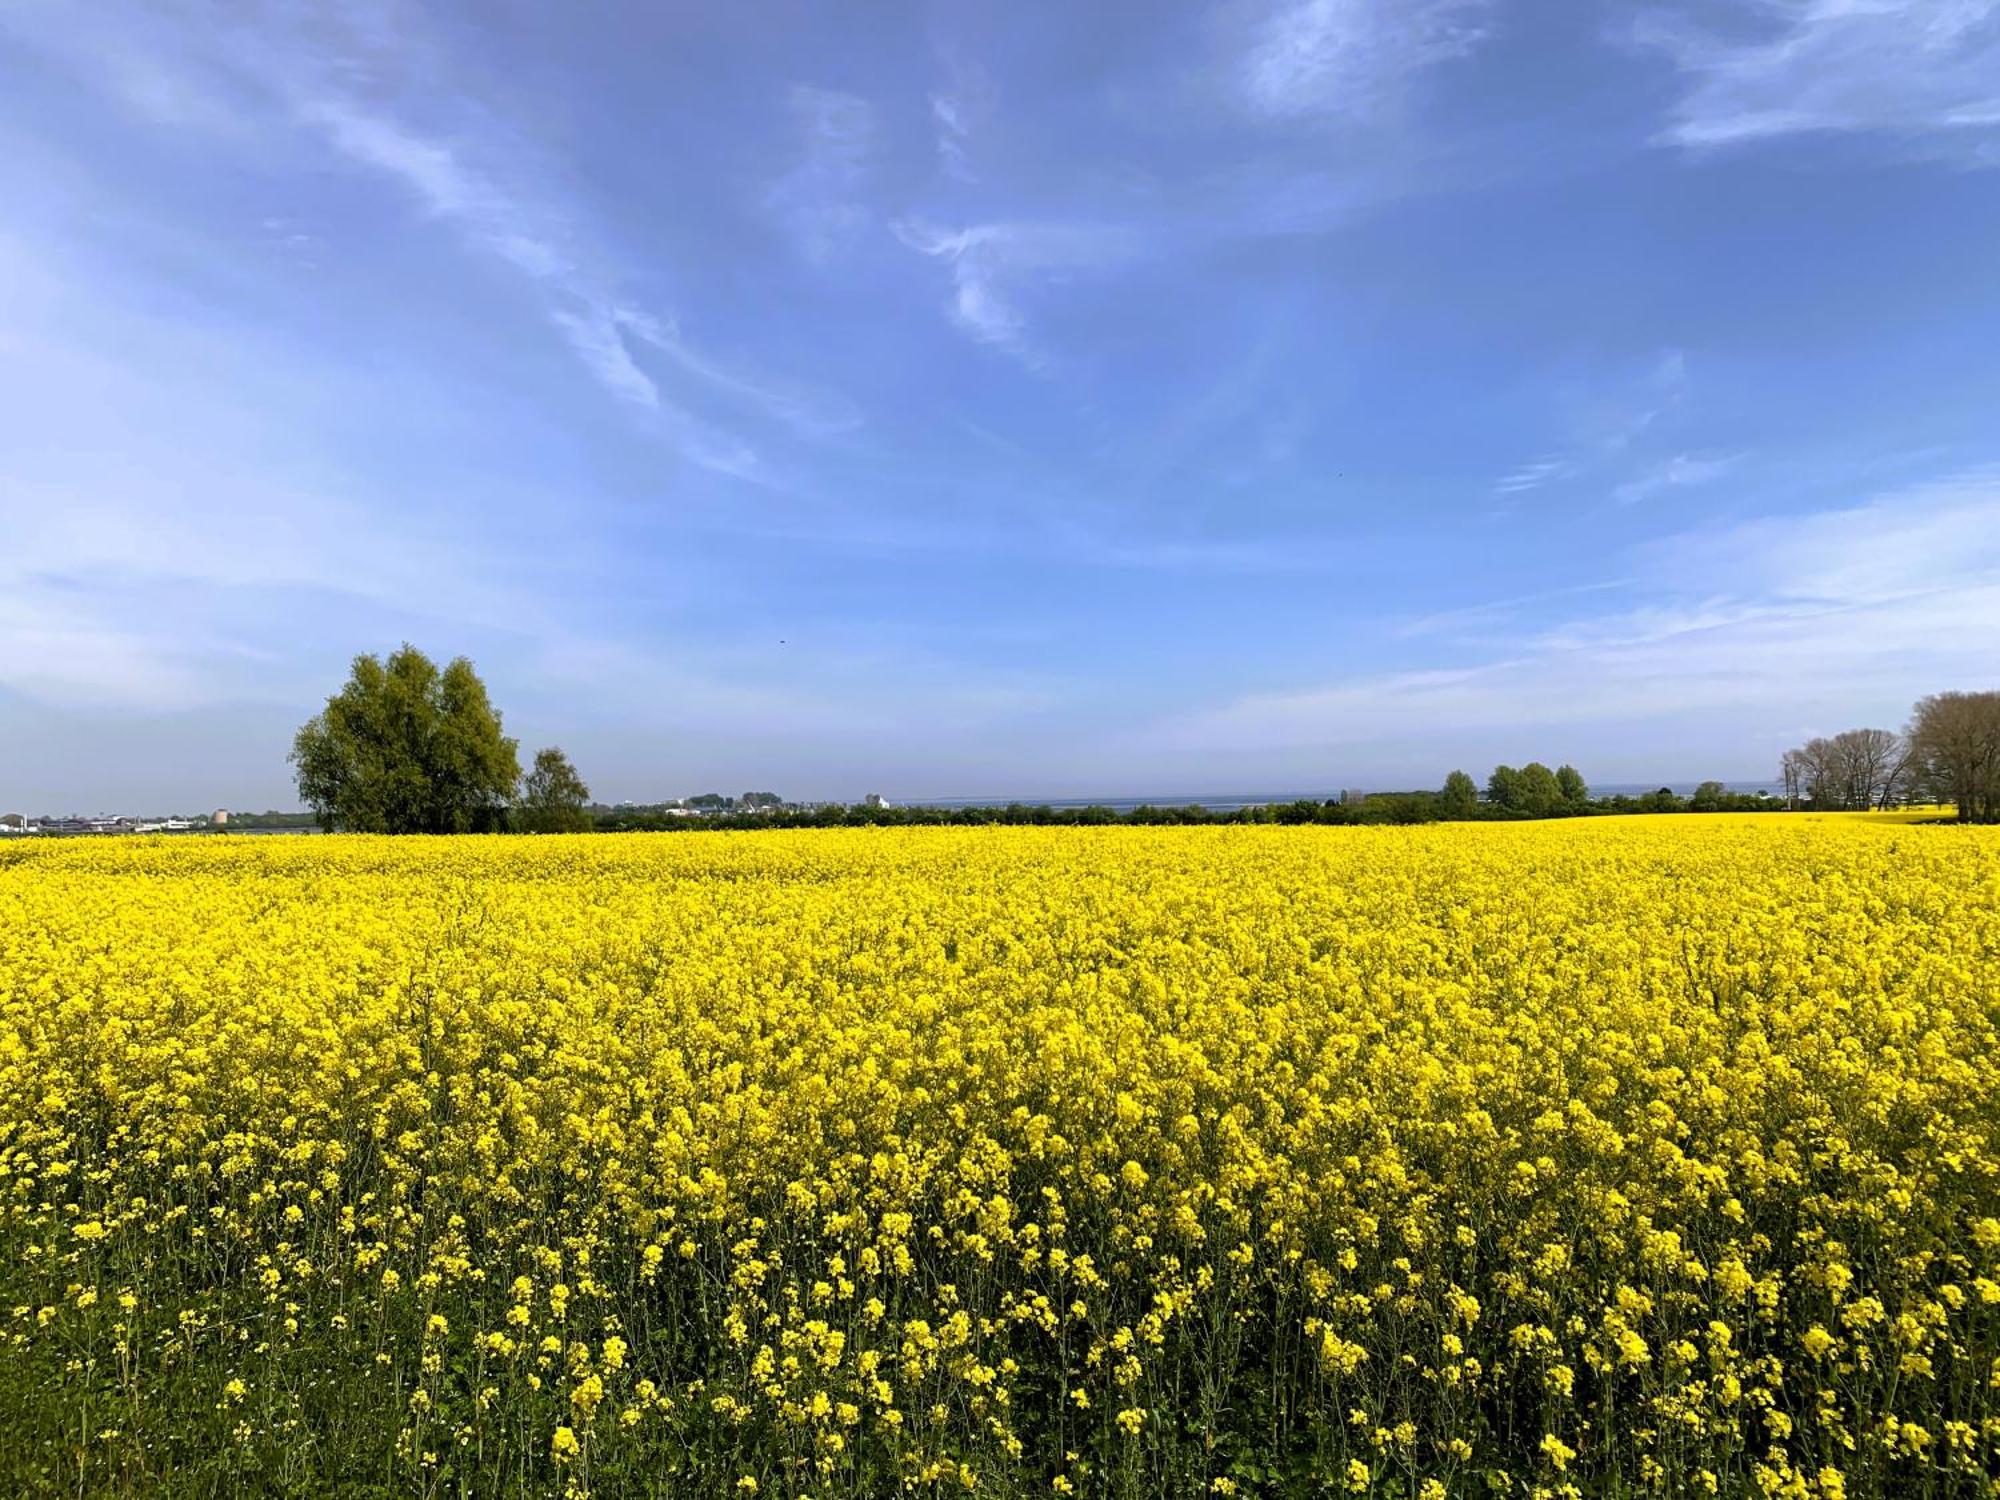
[(1607, 1156)]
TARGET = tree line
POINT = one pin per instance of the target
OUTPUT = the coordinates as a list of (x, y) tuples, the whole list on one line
[(1531, 791), (1375, 809), (407, 747), (1949, 752)]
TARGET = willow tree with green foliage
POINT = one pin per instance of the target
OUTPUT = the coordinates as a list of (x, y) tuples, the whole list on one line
[(406, 748)]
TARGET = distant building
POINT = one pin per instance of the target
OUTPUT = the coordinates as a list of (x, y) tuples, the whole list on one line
[(1352, 798), (875, 799), (219, 818)]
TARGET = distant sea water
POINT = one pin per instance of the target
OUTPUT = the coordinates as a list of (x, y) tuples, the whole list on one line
[(1230, 801)]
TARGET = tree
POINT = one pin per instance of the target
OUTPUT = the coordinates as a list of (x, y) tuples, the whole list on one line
[(1503, 787), (1897, 775), (1460, 797), (1851, 772), (1827, 777), (553, 797), (1793, 773), (1540, 792), (1575, 790), (1955, 752), (405, 748), (1821, 777), (1868, 757), (1707, 797)]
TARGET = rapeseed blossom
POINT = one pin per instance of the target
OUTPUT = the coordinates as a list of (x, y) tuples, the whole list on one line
[(1659, 1155)]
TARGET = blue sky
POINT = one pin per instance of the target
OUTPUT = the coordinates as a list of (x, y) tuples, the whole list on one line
[(1025, 399)]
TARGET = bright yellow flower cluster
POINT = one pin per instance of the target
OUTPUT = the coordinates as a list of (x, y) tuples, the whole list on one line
[(1532, 1159)]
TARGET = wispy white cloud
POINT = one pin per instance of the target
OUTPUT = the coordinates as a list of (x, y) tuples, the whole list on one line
[(1677, 472), (1924, 70), (1921, 538), (1350, 58), (448, 151), (61, 651), (535, 239), (597, 335), (521, 229), (1664, 386), (192, 551), (853, 690), (1605, 426), (1776, 619), (601, 325), (948, 114), (958, 110), (990, 263), (817, 198), (811, 412), (1477, 621), (216, 555), (1248, 558), (1532, 476), (285, 237), (1281, 60), (88, 581)]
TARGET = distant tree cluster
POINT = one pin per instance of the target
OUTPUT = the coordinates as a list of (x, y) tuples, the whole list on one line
[(1949, 752), (1848, 772), (406, 748), (1536, 791)]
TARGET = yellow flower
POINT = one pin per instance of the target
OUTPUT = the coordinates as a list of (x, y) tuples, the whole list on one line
[(914, 1138)]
